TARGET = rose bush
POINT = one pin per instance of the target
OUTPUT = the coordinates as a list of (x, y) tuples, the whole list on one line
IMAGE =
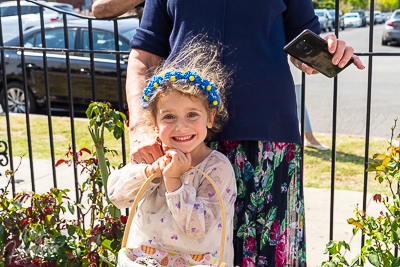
[(382, 234), (34, 230)]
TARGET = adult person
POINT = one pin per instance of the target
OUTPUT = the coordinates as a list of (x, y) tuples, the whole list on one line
[(310, 140), (261, 138), (113, 8)]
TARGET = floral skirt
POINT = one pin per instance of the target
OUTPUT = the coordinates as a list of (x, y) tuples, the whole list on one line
[(269, 220)]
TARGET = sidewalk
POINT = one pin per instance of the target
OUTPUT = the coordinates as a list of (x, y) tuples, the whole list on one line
[(317, 206)]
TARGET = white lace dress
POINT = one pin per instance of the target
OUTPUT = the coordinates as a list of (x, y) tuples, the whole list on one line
[(187, 221)]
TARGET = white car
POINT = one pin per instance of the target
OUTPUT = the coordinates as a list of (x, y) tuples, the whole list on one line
[(378, 17), (30, 16), (352, 20)]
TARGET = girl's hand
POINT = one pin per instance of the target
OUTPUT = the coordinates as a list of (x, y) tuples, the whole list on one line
[(179, 164), (158, 166)]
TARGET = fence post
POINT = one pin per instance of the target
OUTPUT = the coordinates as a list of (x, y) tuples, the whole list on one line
[(3, 154)]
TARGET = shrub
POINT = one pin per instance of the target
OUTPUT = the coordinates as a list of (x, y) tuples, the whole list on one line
[(382, 233)]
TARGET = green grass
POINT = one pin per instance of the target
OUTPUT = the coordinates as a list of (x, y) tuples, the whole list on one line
[(349, 168), (61, 137)]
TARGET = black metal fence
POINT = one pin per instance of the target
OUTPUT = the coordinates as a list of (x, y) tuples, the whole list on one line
[(91, 51)]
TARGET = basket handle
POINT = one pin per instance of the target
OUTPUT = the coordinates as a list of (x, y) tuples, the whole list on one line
[(221, 203)]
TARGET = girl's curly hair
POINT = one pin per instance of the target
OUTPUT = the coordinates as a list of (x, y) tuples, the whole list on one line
[(202, 56)]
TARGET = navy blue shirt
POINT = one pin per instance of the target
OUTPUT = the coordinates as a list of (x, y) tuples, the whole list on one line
[(261, 103)]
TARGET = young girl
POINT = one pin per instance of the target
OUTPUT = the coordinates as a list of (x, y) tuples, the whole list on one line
[(178, 222)]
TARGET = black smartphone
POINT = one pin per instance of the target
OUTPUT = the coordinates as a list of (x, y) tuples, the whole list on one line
[(312, 50)]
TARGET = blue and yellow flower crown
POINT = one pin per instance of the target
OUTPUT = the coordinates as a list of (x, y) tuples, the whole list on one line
[(181, 76)]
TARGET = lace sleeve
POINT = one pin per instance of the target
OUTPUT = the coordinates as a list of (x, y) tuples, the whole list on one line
[(124, 184), (197, 210)]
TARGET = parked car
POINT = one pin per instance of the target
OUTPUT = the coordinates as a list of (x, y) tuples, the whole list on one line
[(386, 15), (391, 31), (325, 19), (378, 17), (362, 16), (367, 18), (352, 20), (30, 16), (78, 37), (341, 18)]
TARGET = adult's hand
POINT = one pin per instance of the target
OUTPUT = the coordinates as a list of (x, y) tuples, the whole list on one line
[(341, 55), (113, 8), (144, 145), (142, 137)]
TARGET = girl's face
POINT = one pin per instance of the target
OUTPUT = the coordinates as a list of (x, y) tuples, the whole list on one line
[(182, 122)]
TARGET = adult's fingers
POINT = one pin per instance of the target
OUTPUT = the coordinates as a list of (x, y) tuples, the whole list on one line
[(307, 69), (332, 42), (147, 153), (358, 62)]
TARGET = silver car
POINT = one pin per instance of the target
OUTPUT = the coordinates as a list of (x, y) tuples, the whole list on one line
[(391, 31)]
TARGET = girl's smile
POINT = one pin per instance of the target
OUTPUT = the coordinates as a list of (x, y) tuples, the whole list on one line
[(182, 123), (183, 139)]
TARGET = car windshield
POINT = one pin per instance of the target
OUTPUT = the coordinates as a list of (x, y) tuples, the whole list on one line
[(332, 13), (129, 33), (320, 14), (396, 15), (351, 16), (66, 8)]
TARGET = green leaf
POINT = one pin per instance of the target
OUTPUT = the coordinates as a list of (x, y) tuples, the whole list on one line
[(98, 240), (109, 125), (52, 220), (107, 244), (355, 261), (59, 197), (71, 208), (331, 244), (379, 235), (396, 262), (114, 116), (373, 258), (60, 239), (120, 124), (17, 204), (394, 226), (114, 245), (89, 110), (71, 230), (355, 230), (122, 115), (79, 205), (330, 264), (117, 132), (91, 123), (371, 168)]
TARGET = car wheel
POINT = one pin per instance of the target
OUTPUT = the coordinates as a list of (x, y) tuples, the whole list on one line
[(385, 42), (330, 28), (16, 99)]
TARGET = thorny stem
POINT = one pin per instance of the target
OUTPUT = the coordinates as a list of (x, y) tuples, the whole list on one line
[(393, 127), (390, 186)]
